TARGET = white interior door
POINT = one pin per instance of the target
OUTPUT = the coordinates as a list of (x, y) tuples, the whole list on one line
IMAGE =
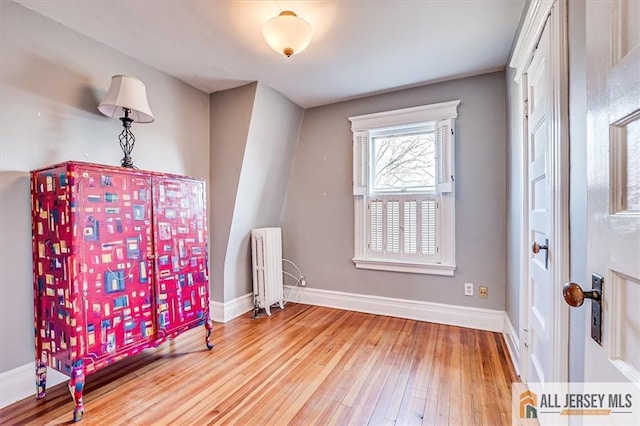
[(613, 140), (539, 286)]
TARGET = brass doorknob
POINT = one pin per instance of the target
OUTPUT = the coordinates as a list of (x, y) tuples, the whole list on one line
[(574, 295), (535, 248)]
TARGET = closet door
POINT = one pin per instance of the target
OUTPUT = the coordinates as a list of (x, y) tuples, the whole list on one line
[(180, 236)]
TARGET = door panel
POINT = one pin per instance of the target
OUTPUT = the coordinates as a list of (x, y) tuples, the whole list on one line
[(613, 179), (625, 323), (539, 329), (181, 247), (113, 220)]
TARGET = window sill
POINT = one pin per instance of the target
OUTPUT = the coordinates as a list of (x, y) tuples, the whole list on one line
[(410, 267)]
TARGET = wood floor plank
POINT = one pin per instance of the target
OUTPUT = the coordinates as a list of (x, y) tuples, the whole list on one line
[(437, 390), (413, 404), (371, 392), (455, 403), (304, 365), (407, 346), (391, 369)]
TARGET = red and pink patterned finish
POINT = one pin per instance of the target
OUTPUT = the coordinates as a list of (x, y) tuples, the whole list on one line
[(120, 264)]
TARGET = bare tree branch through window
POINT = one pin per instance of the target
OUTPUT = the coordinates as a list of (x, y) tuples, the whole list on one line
[(404, 162)]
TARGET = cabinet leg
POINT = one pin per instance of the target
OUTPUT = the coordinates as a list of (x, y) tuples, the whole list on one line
[(41, 379), (208, 325), (76, 387)]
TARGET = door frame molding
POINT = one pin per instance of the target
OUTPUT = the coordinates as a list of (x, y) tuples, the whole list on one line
[(554, 14)]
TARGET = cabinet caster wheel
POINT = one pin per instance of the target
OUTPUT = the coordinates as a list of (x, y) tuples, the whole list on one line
[(78, 413), (209, 345)]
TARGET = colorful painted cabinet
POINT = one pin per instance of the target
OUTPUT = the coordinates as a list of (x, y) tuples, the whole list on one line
[(120, 265)]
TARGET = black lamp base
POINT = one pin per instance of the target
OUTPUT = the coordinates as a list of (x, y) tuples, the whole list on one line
[(127, 140)]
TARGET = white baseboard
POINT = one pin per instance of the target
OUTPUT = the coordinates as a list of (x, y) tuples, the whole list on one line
[(20, 383), (223, 312), (513, 342), (462, 316)]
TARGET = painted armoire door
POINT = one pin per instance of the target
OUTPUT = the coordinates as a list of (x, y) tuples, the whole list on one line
[(114, 248), (180, 232)]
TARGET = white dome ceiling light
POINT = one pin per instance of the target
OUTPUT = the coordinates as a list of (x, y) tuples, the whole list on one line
[(287, 33)]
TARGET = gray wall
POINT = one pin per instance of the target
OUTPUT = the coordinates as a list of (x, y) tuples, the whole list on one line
[(254, 130), (231, 112), (273, 133), (317, 220), (52, 80)]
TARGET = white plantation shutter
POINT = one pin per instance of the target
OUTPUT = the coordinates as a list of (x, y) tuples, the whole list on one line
[(403, 227), (360, 162), (444, 156), (410, 227), (393, 226), (428, 226), (375, 226)]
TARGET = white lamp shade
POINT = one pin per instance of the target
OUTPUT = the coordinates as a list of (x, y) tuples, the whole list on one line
[(287, 33), (126, 92)]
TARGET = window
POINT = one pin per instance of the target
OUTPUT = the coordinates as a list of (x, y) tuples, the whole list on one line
[(403, 189)]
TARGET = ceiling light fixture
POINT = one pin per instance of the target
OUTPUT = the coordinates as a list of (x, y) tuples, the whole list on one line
[(287, 33)]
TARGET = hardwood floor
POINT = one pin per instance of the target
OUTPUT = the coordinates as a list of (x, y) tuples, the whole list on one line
[(304, 365)]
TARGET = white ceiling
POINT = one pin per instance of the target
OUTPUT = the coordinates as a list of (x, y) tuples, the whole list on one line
[(359, 47)]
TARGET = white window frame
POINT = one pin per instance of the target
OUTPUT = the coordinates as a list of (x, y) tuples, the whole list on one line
[(362, 126)]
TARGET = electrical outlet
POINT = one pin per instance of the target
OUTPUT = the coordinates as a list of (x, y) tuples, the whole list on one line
[(303, 282), (468, 289), (483, 291)]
